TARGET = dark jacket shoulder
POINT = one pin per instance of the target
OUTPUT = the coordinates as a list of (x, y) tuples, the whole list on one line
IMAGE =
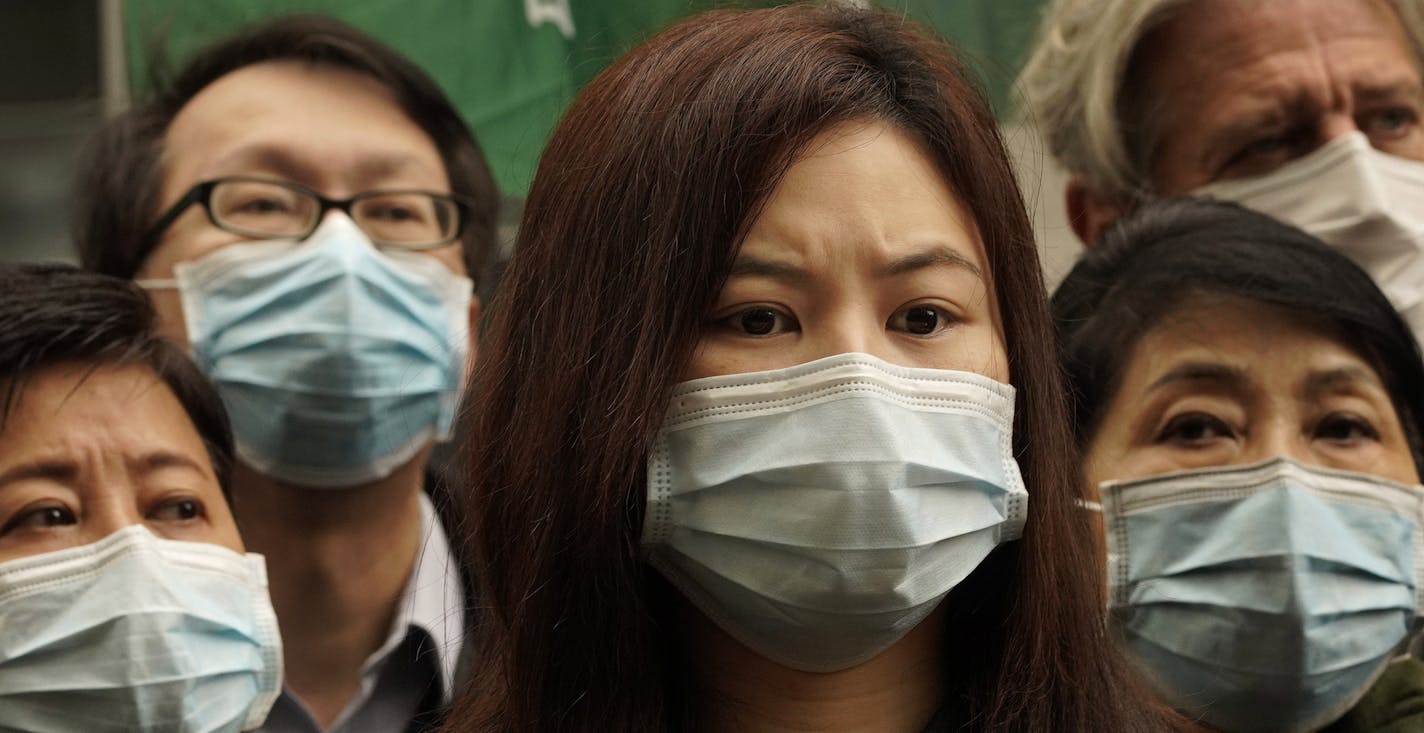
[(1395, 704)]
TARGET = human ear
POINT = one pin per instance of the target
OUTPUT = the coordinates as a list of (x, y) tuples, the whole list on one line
[(1090, 211)]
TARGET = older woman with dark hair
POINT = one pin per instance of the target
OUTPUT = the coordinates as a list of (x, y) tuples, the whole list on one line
[(126, 599), (770, 434), (1249, 403)]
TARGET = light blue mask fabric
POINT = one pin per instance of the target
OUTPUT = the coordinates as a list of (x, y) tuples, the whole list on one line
[(136, 633), (820, 512), (1266, 597), (337, 362)]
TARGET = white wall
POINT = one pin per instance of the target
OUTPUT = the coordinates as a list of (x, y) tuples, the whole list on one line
[(1043, 183)]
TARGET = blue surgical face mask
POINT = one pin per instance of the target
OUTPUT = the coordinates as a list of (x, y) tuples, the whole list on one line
[(337, 362), (1266, 597), (818, 513), (135, 633)]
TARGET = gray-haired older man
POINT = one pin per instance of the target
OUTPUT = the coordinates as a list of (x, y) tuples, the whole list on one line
[(1309, 110)]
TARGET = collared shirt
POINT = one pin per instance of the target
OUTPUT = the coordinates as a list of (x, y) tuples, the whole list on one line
[(422, 649)]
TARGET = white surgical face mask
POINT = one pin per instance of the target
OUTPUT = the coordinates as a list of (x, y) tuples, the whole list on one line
[(1367, 204), (1264, 598), (136, 633), (820, 512), (337, 362)]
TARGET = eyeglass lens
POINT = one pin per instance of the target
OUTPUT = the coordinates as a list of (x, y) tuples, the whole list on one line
[(273, 210)]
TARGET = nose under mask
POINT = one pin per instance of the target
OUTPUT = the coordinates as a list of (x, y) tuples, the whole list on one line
[(337, 362), (1264, 598), (820, 512), (137, 633)]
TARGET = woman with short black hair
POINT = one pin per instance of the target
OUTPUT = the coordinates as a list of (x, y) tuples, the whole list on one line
[(1248, 402), (126, 597)]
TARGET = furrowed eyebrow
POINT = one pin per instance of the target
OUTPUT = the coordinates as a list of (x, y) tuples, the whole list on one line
[(754, 267), (1404, 89), (51, 469), (932, 257), (1270, 118), (158, 460)]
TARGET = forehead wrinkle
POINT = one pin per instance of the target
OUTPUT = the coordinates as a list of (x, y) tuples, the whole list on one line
[(1225, 41)]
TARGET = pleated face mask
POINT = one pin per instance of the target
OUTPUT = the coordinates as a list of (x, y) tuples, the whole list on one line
[(1266, 597), (137, 633), (818, 513), (337, 362)]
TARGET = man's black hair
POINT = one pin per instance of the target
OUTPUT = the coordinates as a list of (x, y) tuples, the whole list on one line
[(121, 178)]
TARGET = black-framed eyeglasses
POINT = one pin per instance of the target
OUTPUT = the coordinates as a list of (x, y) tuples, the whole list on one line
[(264, 208)]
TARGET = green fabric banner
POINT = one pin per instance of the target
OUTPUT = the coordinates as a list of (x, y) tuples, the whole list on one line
[(511, 66)]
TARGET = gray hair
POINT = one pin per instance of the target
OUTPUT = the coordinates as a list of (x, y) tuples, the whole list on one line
[(1073, 82)]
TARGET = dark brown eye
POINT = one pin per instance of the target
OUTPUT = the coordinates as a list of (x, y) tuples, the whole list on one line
[(758, 321), (42, 517), (921, 320), (54, 516), (1194, 428), (1388, 122), (1345, 428), (180, 510)]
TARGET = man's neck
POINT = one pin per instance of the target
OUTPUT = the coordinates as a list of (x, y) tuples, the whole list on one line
[(338, 561), (898, 691)]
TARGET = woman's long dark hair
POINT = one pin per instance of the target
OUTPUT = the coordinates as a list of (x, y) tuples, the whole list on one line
[(639, 205)]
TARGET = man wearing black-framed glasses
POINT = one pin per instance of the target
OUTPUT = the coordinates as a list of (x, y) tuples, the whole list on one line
[(271, 208), (308, 215)]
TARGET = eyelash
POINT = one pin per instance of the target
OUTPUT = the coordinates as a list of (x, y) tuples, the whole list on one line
[(186, 504), (943, 319), (1298, 139), (1356, 422), (199, 510), (1172, 429), (25, 514), (736, 321)]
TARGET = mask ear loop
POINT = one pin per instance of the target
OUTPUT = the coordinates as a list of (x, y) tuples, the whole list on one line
[(1089, 505), (1413, 643), (157, 284)]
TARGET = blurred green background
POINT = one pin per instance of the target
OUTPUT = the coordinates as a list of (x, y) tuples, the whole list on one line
[(513, 65)]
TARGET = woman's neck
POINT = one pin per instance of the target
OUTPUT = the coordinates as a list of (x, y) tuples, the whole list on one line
[(898, 691)]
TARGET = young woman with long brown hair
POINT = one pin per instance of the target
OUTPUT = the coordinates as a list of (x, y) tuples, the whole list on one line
[(746, 455)]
